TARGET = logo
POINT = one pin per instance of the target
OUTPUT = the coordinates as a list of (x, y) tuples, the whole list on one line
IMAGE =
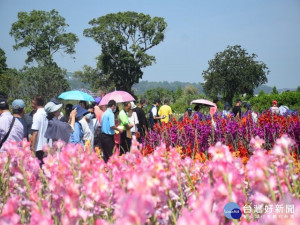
[(232, 211)]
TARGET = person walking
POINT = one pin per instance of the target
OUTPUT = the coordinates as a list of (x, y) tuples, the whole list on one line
[(126, 126), (10, 127), (76, 136), (187, 114), (18, 108), (108, 130), (29, 117), (254, 116), (214, 109), (39, 126), (274, 109), (226, 111), (165, 112), (143, 125), (56, 128), (153, 113), (133, 119), (237, 109), (98, 113)]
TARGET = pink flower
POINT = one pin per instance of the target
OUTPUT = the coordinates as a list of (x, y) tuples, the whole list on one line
[(220, 153), (8, 215), (197, 217), (256, 143), (138, 208)]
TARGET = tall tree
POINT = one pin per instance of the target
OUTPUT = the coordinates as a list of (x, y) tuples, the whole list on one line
[(233, 72), (125, 38), (44, 33)]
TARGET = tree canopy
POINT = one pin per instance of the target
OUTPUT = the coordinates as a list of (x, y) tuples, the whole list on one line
[(44, 33), (124, 38), (48, 81), (233, 72), (3, 65)]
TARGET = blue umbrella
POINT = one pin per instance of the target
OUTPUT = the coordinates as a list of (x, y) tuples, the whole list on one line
[(76, 95)]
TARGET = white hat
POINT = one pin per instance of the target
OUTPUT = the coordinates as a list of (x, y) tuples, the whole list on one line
[(52, 107), (133, 106)]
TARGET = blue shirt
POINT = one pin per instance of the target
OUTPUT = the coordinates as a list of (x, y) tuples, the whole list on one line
[(77, 135), (108, 121)]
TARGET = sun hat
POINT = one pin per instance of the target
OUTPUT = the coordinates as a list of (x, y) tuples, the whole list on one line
[(55, 101), (80, 111), (18, 104), (51, 107), (133, 106)]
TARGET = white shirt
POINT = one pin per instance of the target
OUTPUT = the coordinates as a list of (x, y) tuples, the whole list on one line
[(87, 133), (275, 109), (254, 117), (154, 111), (283, 109), (133, 119), (40, 123)]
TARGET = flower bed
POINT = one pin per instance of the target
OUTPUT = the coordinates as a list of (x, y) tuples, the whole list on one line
[(194, 136), (75, 186)]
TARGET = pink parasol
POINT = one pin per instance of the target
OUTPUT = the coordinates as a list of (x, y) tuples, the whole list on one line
[(203, 102), (118, 96)]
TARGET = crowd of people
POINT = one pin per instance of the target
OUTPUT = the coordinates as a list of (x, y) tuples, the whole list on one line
[(106, 128)]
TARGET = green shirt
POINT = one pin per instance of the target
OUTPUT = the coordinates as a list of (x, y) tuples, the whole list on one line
[(123, 118)]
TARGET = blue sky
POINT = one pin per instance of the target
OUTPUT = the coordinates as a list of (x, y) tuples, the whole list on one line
[(196, 31)]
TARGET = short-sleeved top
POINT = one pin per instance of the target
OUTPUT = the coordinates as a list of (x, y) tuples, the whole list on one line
[(165, 110), (275, 109), (40, 124), (17, 131), (133, 119), (123, 117), (108, 121)]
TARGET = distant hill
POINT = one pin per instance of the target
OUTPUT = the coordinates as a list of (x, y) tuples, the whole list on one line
[(143, 86)]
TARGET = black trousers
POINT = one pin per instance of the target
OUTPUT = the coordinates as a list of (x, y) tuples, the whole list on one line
[(108, 144), (40, 156), (125, 143), (97, 138)]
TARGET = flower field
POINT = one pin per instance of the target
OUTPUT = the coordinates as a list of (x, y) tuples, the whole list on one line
[(183, 173)]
